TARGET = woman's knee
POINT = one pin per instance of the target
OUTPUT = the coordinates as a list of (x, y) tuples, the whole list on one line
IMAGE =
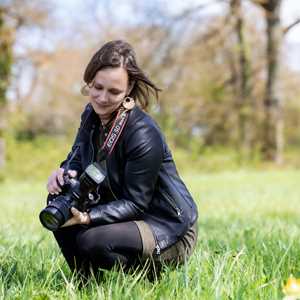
[(89, 243)]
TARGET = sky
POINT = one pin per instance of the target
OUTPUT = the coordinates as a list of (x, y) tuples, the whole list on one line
[(290, 11), (72, 12)]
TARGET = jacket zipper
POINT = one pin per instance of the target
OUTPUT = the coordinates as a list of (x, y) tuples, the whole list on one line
[(157, 248), (172, 203)]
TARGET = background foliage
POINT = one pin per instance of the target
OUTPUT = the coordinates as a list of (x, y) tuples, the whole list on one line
[(229, 110), (218, 78)]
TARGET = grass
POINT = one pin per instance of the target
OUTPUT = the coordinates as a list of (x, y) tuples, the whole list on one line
[(248, 244)]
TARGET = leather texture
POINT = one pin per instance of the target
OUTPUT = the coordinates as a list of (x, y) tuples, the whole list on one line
[(142, 176)]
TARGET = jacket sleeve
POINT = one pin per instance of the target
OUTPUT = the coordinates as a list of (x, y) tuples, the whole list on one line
[(144, 153), (73, 160)]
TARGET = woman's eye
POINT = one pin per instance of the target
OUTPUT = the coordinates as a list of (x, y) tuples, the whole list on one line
[(115, 92), (98, 87)]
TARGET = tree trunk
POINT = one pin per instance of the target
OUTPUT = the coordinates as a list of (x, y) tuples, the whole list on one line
[(273, 139), (5, 67), (243, 95)]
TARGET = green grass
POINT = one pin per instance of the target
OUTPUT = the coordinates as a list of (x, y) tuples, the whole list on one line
[(249, 229)]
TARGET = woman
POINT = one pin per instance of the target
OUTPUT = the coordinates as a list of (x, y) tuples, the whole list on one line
[(145, 210)]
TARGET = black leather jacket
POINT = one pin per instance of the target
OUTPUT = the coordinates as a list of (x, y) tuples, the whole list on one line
[(142, 176)]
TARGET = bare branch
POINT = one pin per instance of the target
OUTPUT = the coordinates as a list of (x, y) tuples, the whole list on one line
[(289, 27), (190, 11), (216, 30)]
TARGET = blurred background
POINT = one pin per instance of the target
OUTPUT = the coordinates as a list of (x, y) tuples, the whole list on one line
[(229, 70)]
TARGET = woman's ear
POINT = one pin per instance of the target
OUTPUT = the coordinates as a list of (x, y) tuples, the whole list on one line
[(130, 87)]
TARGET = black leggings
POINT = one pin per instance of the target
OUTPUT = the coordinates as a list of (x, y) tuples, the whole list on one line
[(101, 246)]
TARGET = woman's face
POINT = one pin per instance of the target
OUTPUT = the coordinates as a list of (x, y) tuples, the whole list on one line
[(108, 90)]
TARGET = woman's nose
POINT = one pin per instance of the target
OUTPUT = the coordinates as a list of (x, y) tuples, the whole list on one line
[(101, 97)]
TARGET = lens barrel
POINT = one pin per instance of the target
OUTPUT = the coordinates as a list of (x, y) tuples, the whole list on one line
[(56, 213)]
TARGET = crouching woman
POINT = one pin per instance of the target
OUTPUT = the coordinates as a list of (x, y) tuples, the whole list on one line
[(145, 210)]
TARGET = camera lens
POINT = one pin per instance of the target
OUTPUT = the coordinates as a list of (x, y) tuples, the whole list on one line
[(51, 218), (56, 213)]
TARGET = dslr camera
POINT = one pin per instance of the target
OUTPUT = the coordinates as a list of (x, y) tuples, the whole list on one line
[(75, 193)]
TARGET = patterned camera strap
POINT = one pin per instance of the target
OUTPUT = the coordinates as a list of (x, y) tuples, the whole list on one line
[(114, 134)]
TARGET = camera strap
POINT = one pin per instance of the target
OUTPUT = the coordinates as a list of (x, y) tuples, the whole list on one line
[(114, 133)]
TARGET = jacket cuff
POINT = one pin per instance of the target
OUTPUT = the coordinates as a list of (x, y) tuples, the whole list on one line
[(95, 215)]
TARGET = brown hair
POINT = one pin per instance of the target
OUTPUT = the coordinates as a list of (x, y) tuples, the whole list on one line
[(121, 54)]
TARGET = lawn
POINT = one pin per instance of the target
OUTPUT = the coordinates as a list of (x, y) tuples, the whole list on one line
[(248, 244)]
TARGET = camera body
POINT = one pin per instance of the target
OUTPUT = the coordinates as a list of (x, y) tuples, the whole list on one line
[(75, 193)]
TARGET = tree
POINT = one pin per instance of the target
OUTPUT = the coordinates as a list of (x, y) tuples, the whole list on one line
[(14, 15), (272, 143), (243, 93), (6, 42), (273, 124)]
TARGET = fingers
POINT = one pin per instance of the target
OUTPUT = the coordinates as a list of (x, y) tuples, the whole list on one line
[(76, 213), (78, 218), (72, 173), (54, 181), (70, 222), (75, 219), (59, 176), (52, 185)]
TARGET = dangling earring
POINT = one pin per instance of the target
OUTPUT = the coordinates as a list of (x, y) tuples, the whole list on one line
[(85, 90), (128, 103)]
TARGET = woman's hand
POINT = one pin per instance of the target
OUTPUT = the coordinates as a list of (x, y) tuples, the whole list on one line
[(56, 180), (78, 218)]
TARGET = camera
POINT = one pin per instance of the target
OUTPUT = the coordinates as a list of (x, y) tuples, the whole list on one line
[(75, 193)]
